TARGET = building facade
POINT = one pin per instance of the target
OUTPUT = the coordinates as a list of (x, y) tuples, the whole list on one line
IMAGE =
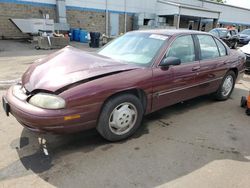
[(118, 16)]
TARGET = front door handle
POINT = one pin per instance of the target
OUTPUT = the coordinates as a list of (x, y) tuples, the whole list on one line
[(196, 68)]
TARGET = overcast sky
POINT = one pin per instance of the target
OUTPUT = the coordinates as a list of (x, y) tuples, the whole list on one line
[(240, 3)]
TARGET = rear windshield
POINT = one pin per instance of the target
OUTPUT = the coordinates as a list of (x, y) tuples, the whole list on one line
[(222, 33)]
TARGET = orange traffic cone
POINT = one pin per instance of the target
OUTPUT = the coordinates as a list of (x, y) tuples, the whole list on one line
[(245, 103)]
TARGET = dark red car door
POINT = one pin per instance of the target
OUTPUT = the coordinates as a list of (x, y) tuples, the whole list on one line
[(176, 83), (213, 59)]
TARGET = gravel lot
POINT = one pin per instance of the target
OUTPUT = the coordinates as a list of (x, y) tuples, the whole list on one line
[(198, 143)]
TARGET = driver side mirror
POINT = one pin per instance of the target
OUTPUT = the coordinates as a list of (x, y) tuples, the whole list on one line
[(167, 61)]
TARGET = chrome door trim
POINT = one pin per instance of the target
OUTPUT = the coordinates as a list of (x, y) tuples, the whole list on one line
[(175, 90)]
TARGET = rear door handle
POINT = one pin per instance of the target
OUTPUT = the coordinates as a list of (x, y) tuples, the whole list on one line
[(196, 68)]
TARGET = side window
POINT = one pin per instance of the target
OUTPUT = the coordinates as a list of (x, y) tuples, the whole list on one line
[(208, 47), (183, 48), (221, 47)]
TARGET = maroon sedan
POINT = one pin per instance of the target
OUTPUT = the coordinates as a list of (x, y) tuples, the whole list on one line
[(136, 74)]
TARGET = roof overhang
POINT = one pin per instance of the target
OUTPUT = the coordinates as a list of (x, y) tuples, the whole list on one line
[(165, 7)]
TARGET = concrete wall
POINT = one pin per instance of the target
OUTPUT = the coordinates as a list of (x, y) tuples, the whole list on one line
[(240, 15), (188, 2), (230, 14), (132, 6), (163, 9), (39, 1)]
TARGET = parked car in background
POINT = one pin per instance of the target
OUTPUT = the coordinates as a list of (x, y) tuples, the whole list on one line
[(244, 36), (246, 49), (229, 36), (136, 74)]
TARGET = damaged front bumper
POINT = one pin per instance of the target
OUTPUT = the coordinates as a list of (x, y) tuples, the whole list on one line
[(43, 120)]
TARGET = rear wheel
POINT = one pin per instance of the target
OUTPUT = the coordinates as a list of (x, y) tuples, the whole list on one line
[(120, 117), (226, 87)]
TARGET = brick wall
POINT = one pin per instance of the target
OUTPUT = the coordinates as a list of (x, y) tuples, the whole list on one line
[(11, 10), (88, 20), (95, 21), (122, 23), (85, 19)]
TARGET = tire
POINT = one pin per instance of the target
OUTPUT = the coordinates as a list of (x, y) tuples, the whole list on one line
[(120, 117), (224, 91), (243, 102)]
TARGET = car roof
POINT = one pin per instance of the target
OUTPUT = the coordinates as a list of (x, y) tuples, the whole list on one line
[(170, 32)]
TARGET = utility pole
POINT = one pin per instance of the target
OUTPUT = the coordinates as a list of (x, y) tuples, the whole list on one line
[(107, 19), (125, 16), (178, 19)]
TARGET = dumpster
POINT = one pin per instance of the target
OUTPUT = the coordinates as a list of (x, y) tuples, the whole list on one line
[(71, 34), (76, 34), (83, 35)]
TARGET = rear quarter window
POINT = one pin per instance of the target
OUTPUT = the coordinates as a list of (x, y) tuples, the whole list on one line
[(222, 48), (208, 47)]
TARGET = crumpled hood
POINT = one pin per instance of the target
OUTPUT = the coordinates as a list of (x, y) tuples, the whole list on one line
[(68, 66)]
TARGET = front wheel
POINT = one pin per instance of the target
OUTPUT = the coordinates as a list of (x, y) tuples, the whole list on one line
[(226, 87), (120, 117)]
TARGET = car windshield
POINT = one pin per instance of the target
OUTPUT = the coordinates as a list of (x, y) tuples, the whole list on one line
[(222, 33), (134, 48), (246, 32)]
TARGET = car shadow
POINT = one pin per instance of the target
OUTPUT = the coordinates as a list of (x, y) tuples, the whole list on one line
[(54, 157), (37, 151)]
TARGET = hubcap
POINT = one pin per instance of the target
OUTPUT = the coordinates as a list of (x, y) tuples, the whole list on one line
[(227, 86), (123, 118)]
